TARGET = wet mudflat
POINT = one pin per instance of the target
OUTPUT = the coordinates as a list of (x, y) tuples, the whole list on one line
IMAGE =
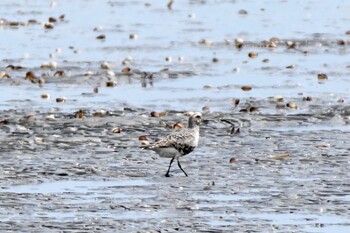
[(75, 174), (274, 94)]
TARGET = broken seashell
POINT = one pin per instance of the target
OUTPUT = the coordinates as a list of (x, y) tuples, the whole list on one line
[(105, 65), (50, 117), (59, 73), (292, 105), (206, 42), (49, 65), (322, 76), (280, 156), (4, 75), (116, 130), (239, 42), (48, 25), (110, 73)]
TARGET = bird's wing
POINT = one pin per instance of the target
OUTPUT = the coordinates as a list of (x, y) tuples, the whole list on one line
[(176, 138)]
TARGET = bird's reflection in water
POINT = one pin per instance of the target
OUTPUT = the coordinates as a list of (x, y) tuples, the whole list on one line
[(147, 79)]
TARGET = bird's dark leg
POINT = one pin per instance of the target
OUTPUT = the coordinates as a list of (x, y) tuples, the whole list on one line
[(171, 161), (178, 163)]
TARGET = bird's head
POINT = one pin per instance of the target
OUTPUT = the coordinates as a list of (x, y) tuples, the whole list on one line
[(195, 120)]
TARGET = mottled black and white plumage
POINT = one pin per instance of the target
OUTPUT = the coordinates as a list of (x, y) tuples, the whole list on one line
[(181, 142)]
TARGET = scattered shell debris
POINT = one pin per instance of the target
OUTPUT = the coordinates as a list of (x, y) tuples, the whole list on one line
[(77, 108)]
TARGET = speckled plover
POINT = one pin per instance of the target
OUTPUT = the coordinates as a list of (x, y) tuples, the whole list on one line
[(181, 142)]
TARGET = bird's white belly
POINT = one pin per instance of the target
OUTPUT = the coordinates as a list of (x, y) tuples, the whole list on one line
[(168, 152)]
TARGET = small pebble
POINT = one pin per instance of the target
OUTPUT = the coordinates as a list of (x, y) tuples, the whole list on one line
[(111, 83), (205, 109), (79, 114), (154, 114), (233, 160), (143, 138), (31, 76), (280, 105), (236, 69), (253, 109), (101, 37), (133, 36), (48, 25), (61, 100), (126, 69), (252, 54), (215, 59), (52, 20), (243, 12), (207, 86), (342, 42), (235, 102), (308, 98), (246, 88), (30, 118), (45, 96)]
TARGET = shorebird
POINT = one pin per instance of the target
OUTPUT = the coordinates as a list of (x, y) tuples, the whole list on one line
[(179, 143)]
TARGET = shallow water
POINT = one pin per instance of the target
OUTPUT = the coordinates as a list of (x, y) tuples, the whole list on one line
[(61, 173)]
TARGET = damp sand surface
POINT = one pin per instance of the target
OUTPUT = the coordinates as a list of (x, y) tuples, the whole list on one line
[(272, 159)]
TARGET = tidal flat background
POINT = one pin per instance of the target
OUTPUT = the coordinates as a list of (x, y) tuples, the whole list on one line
[(82, 81)]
